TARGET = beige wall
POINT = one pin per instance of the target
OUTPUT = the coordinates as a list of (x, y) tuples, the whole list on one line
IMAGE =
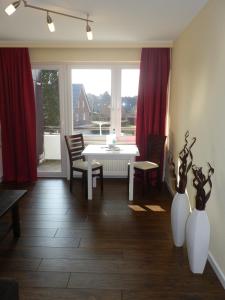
[(198, 104), (67, 55)]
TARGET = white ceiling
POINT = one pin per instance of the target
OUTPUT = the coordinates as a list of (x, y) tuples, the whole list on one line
[(115, 22)]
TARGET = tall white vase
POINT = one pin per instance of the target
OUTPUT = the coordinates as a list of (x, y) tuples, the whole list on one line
[(180, 211), (197, 237)]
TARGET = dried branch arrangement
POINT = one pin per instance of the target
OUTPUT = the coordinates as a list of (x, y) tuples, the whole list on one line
[(186, 159), (200, 181)]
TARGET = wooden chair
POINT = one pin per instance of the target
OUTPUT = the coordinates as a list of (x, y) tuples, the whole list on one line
[(75, 146), (155, 153)]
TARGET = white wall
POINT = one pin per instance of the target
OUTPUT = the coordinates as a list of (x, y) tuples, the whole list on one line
[(198, 104), (52, 146)]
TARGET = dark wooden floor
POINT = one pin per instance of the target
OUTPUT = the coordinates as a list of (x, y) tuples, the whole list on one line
[(105, 249)]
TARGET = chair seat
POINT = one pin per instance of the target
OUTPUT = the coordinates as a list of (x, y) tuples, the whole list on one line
[(145, 165), (83, 165)]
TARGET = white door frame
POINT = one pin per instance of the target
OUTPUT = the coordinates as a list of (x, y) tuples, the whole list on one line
[(62, 108)]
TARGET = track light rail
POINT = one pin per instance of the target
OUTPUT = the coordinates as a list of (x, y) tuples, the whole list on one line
[(55, 12)]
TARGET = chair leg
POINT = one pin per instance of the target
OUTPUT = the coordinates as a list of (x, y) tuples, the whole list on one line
[(145, 181), (128, 177), (159, 181), (85, 180), (71, 180), (101, 177)]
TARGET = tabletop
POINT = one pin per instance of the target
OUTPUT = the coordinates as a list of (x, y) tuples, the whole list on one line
[(122, 150), (8, 198)]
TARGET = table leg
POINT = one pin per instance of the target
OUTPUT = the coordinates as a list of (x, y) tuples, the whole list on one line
[(16, 220), (89, 179), (131, 179)]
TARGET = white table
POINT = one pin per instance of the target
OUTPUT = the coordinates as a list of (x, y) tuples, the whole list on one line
[(121, 152)]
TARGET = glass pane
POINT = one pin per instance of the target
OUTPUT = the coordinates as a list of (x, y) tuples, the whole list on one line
[(129, 92), (46, 88), (91, 90)]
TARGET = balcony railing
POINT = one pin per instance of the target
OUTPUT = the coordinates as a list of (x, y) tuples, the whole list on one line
[(91, 130)]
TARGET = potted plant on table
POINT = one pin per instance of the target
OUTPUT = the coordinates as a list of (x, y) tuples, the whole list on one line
[(180, 208)]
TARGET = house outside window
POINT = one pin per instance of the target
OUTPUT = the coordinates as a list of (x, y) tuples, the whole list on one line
[(108, 96), (80, 107)]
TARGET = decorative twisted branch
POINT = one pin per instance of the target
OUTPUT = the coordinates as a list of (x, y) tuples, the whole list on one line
[(199, 182), (186, 158), (172, 169)]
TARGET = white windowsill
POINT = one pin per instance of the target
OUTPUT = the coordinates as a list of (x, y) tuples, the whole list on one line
[(91, 139)]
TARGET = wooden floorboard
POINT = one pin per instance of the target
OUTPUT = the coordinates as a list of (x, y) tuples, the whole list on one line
[(69, 294), (38, 279), (105, 249)]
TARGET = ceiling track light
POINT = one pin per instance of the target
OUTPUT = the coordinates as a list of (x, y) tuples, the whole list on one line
[(51, 25), (89, 31), (11, 8)]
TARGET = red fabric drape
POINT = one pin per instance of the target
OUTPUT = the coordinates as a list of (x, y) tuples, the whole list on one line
[(17, 116), (152, 96)]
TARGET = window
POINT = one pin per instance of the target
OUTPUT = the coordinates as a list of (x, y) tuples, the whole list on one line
[(108, 97), (92, 88), (129, 92), (46, 89)]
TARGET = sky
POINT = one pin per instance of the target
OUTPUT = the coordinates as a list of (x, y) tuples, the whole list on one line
[(98, 81)]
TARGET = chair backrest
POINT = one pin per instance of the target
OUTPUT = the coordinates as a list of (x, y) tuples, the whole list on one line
[(75, 146), (156, 145)]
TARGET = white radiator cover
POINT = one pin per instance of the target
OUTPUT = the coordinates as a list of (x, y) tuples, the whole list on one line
[(114, 168)]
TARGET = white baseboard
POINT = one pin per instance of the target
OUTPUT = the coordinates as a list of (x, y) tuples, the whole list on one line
[(216, 269)]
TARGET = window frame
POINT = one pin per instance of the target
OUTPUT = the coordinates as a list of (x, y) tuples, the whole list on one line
[(116, 97)]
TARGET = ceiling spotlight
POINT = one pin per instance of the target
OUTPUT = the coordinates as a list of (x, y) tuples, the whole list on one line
[(11, 8), (89, 32), (51, 25)]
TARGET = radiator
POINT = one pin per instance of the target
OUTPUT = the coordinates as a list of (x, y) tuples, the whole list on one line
[(114, 168)]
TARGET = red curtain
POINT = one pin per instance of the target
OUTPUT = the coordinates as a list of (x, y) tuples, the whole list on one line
[(152, 96), (17, 116)]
